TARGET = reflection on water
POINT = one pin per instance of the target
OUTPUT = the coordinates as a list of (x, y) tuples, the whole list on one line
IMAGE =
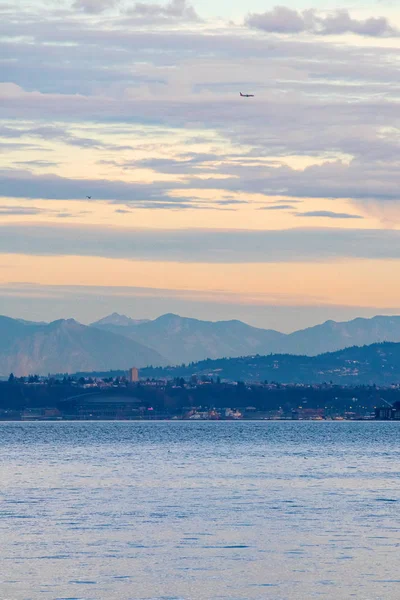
[(199, 511)]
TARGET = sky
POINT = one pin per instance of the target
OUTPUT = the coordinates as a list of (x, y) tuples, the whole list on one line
[(134, 178)]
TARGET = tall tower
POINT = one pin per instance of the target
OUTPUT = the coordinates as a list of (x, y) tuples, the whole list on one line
[(133, 375)]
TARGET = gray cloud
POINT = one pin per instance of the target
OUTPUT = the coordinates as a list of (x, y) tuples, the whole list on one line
[(36, 163), (341, 22), (343, 104), (7, 210), (184, 163), (301, 126), (73, 44), (20, 210), (59, 134), (6, 147), (201, 245), (175, 9), (23, 184), (285, 20), (358, 180), (94, 6), (277, 207), (279, 20), (328, 214)]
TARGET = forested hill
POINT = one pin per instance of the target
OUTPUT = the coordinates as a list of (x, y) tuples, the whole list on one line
[(376, 364)]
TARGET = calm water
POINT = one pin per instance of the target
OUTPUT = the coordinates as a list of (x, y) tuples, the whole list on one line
[(199, 511)]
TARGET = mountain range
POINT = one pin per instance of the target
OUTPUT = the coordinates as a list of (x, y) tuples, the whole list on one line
[(64, 346), (183, 340), (119, 342)]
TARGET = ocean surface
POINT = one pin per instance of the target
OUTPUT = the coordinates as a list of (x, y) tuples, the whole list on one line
[(199, 510)]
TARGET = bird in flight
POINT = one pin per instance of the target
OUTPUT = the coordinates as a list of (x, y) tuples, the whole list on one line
[(247, 95), (89, 197)]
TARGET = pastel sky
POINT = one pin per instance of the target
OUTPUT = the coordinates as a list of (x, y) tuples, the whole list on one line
[(281, 210)]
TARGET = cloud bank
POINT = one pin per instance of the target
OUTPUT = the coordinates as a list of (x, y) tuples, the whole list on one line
[(201, 245), (94, 7), (286, 20), (174, 10)]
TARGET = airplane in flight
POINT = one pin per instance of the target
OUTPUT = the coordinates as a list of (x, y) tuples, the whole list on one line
[(247, 95)]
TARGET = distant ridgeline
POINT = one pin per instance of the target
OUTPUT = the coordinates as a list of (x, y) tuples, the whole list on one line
[(178, 339), (116, 343), (367, 365), (378, 364)]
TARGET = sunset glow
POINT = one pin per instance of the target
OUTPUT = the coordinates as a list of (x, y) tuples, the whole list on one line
[(288, 199)]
